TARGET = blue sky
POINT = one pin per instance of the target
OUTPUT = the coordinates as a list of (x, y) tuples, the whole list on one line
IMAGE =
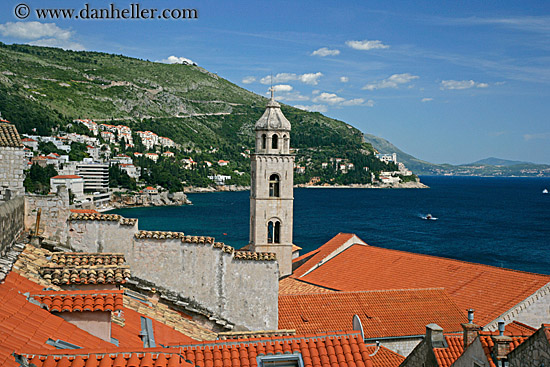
[(446, 81)]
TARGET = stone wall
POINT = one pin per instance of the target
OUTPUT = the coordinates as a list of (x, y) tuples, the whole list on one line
[(421, 356), (473, 354), (54, 213), (12, 215), (230, 284), (12, 164), (533, 311), (534, 352)]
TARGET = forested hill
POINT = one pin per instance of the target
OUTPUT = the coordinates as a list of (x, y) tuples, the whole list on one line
[(46, 88)]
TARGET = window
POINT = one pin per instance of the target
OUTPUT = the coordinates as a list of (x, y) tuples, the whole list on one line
[(274, 186), (274, 231), (274, 141), (285, 360), (264, 139)]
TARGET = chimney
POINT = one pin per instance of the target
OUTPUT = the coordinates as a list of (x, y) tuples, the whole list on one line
[(470, 330), (434, 336), (502, 343)]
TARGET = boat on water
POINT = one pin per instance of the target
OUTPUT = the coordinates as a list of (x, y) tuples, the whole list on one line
[(545, 191), (429, 217)]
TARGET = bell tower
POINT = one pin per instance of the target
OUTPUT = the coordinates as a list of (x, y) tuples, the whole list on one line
[(271, 189)]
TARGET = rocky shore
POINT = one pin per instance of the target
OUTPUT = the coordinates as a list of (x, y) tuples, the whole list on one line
[(403, 185), (160, 199)]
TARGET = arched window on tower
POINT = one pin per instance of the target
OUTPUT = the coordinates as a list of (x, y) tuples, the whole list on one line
[(264, 140), (274, 231), (285, 143), (275, 141), (274, 186)]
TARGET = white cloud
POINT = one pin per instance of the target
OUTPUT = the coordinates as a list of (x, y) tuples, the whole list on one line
[(41, 34), (427, 99), (366, 45), (308, 78), (323, 51), (329, 98), (344, 79), (461, 84), (316, 91), (313, 108), (294, 96), (282, 88), (543, 136), (177, 60), (392, 82), (249, 79), (358, 102), (34, 30)]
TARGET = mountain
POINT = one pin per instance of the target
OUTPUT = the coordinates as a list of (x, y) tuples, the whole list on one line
[(492, 161), (43, 90), (414, 164), (485, 167)]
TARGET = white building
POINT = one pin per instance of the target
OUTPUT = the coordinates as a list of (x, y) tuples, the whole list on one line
[(152, 156), (166, 142), (72, 182), (95, 175), (122, 159), (131, 170), (220, 179), (387, 158)]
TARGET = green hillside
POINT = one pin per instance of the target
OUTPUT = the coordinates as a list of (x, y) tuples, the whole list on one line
[(44, 89)]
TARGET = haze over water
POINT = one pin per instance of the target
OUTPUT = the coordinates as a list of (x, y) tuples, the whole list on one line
[(503, 222)]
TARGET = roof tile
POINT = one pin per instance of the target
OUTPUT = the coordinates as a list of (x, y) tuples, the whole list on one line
[(9, 137)]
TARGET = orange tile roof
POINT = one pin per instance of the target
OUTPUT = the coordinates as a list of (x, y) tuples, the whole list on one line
[(135, 357), (86, 258), (322, 252), (291, 285), (363, 267), (447, 356), (79, 301), (382, 313), (107, 274), (339, 349), (384, 357), (84, 211), (26, 325)]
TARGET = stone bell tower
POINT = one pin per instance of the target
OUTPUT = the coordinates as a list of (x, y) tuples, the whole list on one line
[(271, 189)]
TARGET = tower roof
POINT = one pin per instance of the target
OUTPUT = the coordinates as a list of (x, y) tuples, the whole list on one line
[(273, 118)]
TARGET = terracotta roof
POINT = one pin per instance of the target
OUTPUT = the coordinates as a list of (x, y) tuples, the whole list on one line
[(291, 285), (27, 325), (79, 301), (9, 137), (99, 274), (67, 176), (231, 335), (130, 358), (28, 140), (384, 357), (363, 267), (382, 313), (86, 258), (325, 251), (447, 356), (107, 217), (340, 349), (84, 211)]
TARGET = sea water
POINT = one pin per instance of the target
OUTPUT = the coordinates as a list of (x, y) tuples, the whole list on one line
[(503, 222)]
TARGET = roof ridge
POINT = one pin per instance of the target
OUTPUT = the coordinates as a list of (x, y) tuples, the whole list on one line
[(337, 292)]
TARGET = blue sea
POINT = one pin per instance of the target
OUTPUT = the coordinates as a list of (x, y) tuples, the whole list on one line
[(503, 222)]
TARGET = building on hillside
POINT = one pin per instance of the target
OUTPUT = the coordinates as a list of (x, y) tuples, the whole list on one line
[(73, 183), (108, 136), (152, 156), (93, 152), (346, 263), (168, 154), (220, 179), (166, 142), (387, 158), (150, 190), (121, 159), (12, 162), (271, 191), (95, 175), (92, 126), (222, 163), (30, 143), (131, 170)]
